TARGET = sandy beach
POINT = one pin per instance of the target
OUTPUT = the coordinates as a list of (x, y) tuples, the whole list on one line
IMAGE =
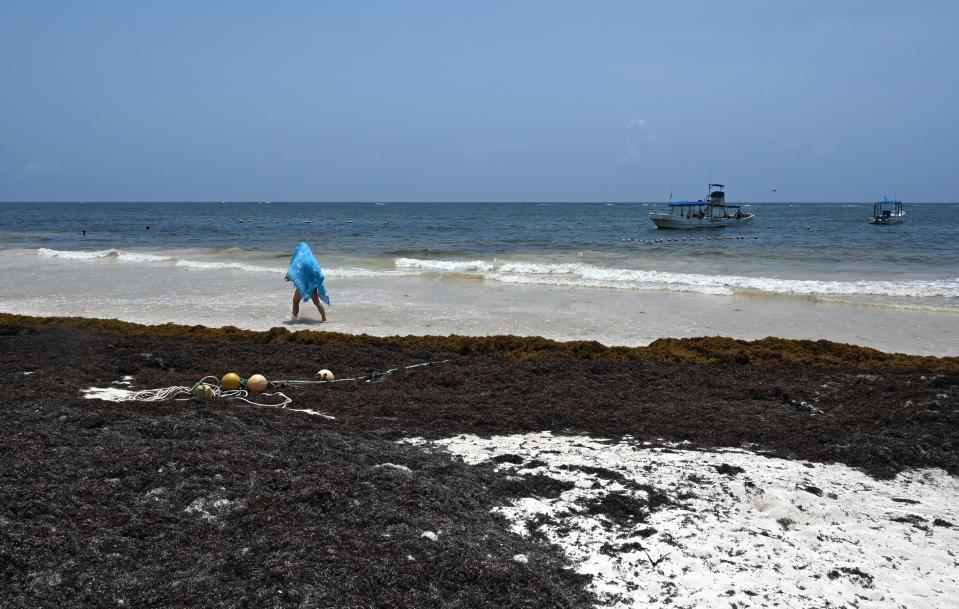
[(517, 472)]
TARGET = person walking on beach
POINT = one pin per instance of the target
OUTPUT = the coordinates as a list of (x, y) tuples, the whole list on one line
[(307, 278)]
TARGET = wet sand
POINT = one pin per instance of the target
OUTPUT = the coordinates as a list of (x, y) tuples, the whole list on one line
[(196, 503)]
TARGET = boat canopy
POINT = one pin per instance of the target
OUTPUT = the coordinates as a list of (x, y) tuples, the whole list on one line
[(698, 204), (889, 202)]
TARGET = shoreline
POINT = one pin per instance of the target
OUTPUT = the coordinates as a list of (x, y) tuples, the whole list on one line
[(770, 351), (440, 303)]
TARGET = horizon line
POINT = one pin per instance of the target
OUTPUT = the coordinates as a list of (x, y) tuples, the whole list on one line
[(457, 202)]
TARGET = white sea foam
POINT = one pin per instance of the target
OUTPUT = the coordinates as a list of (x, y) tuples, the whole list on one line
[(234, 266), (76, 255), (349, 272), (139, 257), (142, 257), (574, 274), (113, 255), (445, 266), (585, 275), (346, 272)]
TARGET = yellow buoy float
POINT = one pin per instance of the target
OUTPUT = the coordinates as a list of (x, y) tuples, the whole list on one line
[(325, 375), (231, 381)]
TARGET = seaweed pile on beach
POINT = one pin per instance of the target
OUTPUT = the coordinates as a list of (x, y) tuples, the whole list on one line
[(213, 503)]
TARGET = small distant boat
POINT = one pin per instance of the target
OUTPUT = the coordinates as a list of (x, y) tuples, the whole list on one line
[(711, 212), (887, 212)]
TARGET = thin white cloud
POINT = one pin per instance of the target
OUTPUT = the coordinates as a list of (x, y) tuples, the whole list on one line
[(639, 139)]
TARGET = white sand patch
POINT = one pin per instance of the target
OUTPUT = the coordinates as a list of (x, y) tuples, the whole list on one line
[(665, 527), (109, 394)]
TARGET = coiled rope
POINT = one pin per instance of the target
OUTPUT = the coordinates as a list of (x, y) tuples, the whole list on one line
[(209, 387), (180, 392)]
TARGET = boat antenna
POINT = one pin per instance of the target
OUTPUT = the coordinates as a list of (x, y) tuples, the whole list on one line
[(671, 190)]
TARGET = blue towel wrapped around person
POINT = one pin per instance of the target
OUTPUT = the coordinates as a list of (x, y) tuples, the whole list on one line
[(307, 277)]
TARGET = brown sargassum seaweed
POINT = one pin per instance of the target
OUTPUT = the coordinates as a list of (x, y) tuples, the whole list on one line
[(706, 350), (200, 503)]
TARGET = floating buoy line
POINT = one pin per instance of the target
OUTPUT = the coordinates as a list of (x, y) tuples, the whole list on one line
[(373, 377), (676, 239)]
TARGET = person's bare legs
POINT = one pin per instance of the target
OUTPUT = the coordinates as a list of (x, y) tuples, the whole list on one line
[(319, 305), (296, 302)]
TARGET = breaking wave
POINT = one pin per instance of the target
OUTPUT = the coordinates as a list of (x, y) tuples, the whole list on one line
[(585, 275), (113, 255), (102, 254)]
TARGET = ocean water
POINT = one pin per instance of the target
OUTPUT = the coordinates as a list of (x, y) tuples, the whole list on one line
[(528, 262)]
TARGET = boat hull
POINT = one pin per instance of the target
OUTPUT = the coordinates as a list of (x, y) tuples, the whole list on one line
[(670, 221), (888, 220)]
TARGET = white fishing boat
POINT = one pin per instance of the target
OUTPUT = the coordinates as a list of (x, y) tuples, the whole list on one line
[(887, 212), (711, 212)]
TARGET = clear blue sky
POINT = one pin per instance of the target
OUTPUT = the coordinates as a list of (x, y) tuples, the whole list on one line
[(476, 101)]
